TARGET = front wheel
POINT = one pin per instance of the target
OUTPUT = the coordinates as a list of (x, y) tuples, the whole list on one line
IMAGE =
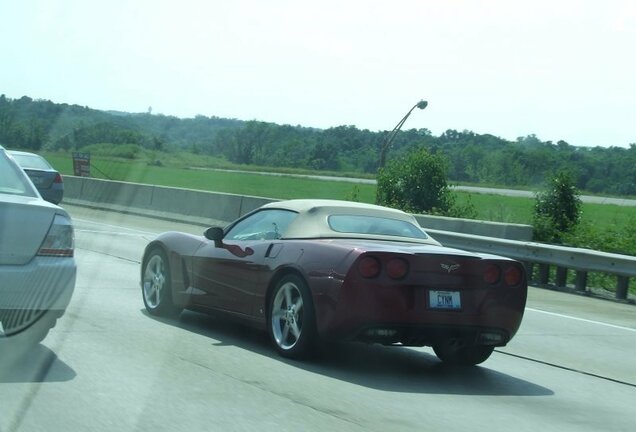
[(292, 321), (456, 353), (155, 285)]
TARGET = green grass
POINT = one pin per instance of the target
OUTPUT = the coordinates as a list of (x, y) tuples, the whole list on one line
[(280, 187), (489, 207), (499, 208)]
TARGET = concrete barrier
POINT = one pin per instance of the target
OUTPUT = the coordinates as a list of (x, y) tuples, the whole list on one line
[(476, 227), (205, 207), (165, 202), (118, 193)]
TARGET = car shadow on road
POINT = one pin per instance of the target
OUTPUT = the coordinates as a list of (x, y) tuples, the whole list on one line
[(395, 369), (38, 365)]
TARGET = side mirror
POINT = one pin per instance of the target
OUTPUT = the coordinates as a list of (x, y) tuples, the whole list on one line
[(215, 234)]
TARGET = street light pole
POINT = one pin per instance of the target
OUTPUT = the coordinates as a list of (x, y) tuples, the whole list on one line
[(388, 139)]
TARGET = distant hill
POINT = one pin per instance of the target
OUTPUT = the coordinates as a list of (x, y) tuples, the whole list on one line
[(477, 158)]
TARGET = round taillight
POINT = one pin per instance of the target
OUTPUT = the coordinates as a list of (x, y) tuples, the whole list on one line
[(397, 268), (512, 276), (492, 274), (369, 267)]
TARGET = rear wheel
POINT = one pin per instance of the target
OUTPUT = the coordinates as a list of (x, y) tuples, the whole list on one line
[(457, 353), (292, 321), (16, 345), (155, 285)]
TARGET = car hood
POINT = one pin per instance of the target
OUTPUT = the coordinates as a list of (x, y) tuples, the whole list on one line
[(24, 223)]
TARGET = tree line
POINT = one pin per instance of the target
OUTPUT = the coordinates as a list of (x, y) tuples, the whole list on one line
[(474, 158)]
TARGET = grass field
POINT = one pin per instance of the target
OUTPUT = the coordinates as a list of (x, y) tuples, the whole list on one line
[(489, 207)]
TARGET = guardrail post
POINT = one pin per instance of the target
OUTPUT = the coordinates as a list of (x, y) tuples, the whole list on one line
[(529, 269), (561, 277), (581, 280), (622, 285), (544, 273)]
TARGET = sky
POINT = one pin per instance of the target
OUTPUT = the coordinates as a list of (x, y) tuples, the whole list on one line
[(559, 69)]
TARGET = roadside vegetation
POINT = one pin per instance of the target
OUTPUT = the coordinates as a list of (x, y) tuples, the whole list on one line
[(191, 153), (524, 162)]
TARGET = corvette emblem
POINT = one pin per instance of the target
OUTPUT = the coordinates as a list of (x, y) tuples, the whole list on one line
[(450, 267)]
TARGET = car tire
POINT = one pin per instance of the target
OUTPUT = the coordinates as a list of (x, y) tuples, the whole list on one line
[(291, 318), (156, 289), (15, 347), (459, 354)]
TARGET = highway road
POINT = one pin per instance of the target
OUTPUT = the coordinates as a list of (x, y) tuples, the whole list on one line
[(108, 366)]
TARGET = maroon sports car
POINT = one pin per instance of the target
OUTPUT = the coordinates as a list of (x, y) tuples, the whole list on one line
[(307, 270)]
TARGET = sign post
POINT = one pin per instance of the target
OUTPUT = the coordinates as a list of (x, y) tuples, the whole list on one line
[(82, 164)]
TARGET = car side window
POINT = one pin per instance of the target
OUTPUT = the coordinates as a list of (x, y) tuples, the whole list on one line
[(268, 224)]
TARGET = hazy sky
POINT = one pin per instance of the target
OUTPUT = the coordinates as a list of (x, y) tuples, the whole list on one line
[(558, 69)]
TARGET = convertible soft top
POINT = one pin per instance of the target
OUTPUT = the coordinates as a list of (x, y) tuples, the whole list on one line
[(313, 220)]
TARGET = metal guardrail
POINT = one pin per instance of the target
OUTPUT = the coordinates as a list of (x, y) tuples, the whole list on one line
[(564, 258)]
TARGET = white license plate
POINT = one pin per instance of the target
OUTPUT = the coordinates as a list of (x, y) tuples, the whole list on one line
[(444, 300)]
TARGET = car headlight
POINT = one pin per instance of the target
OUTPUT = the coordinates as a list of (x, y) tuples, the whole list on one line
[(60, 240)]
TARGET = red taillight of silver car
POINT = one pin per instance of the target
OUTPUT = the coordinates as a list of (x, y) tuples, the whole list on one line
[(60, 240)]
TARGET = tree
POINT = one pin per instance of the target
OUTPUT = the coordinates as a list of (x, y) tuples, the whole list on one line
[(415, 183), (557, 210)]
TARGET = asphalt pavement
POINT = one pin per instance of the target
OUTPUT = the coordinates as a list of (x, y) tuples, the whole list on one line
[(109, 366)]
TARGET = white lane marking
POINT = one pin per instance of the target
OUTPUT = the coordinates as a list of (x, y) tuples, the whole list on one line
[(114, 226), (582, 319)]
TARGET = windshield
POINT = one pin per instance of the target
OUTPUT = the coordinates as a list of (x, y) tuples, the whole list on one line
[(32, 161), (374, 225)]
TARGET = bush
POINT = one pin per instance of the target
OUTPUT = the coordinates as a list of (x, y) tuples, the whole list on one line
[(557, 210), (417, 183)]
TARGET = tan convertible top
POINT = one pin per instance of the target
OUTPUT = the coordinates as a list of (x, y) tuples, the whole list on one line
[(312, 220)]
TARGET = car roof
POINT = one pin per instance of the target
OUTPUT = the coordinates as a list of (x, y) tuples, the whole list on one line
[(313, 205), (20, 152), (312, 220)]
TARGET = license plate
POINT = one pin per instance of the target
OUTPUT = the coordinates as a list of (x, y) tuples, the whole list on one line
[(444, 300)]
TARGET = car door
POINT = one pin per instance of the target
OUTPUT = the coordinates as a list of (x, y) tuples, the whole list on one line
[(232, 274)]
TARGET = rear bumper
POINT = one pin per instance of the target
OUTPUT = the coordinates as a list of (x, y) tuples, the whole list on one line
[(53, 194), (402, 314), (45, 283)]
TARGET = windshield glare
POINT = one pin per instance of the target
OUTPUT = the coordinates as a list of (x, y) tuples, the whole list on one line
[(12, 179)]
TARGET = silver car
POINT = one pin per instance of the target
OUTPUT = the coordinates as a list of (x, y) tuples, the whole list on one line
[(47, 180), (37, 264)]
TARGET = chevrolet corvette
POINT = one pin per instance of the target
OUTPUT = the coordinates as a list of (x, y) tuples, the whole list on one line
[(311, 270)]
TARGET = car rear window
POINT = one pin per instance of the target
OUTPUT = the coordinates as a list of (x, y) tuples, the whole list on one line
[(357, 224), (12, 179), (31, 161)]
